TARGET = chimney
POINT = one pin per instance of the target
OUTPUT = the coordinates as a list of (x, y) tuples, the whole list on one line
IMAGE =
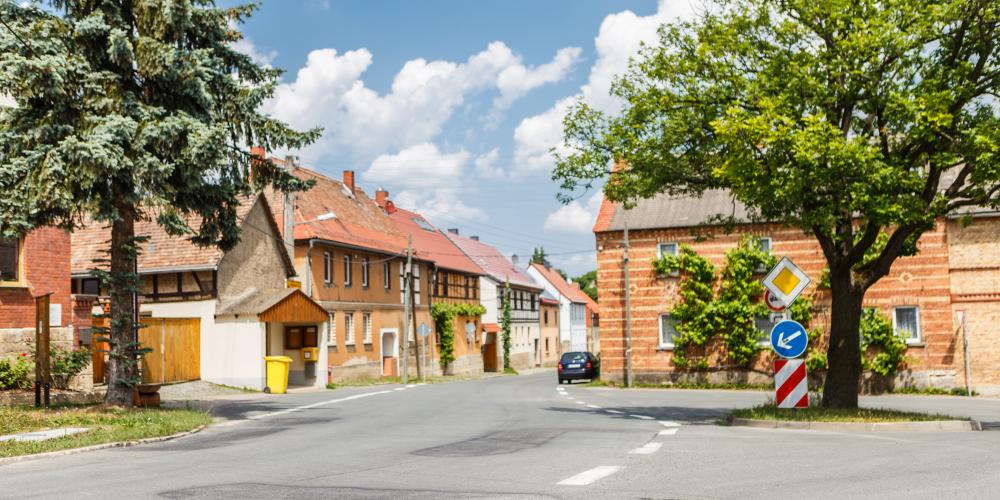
[(474, 238), (381, 195), (257, 154), (291, 162), (453, 230), (349, 179)]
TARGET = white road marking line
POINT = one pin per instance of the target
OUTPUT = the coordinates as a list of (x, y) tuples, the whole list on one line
[(594, 407), (580, 402), (614, 411), (669, 432), (590, 476), (669, 423), (411, 385), (400, 389), (643, 417), (647, 449), (314, 405)]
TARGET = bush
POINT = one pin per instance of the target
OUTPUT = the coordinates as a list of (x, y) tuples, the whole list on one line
[(67, 363), (14, 373)]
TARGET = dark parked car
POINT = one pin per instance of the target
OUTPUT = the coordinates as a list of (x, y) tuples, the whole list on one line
[(578, 365)]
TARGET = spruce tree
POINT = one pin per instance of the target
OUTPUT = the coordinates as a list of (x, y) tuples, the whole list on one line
[(130, 110)]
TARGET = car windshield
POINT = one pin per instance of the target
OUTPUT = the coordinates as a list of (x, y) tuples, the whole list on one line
[(574, 357)]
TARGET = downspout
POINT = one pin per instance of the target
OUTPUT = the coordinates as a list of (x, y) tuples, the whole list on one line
[(309, 274)]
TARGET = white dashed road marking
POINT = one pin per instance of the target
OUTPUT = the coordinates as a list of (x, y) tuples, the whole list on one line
[(669, 423), (647, 449), (614, 411), (669, 432), (643, 417), (594, 407), (579, 402), (591, 476), (314, 405)]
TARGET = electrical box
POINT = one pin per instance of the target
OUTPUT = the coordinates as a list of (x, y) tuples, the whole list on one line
[(310, 354)]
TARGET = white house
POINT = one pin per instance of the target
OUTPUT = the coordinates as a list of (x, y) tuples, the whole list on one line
[(573, 306)]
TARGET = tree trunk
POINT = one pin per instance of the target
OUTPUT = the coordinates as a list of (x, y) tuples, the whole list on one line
[(843, 376), (122, 363)]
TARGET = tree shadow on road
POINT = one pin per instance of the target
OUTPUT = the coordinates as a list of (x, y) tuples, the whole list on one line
[(679, 414)]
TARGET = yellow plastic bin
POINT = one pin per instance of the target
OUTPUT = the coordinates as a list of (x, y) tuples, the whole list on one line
[(277, 373)]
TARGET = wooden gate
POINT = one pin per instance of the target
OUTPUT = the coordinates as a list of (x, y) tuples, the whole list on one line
[(98, 350), (490, 353), (176, 345)]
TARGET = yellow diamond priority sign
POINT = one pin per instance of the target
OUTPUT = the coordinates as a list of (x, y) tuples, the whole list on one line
[(786, 281)]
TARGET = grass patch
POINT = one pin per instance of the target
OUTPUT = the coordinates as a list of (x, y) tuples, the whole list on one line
[(682, 385), (932, 391), (510, 371), (864, 415), (107, 425)]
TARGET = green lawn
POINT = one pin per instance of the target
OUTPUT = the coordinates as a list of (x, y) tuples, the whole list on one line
[(681, 385), (865, 415), (107, 425)]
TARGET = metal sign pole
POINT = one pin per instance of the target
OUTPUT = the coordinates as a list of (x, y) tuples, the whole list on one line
[(968, 358)]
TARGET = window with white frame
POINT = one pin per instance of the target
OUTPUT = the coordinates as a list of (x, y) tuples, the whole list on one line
[(387, 274), (668, 331), (366, 326), (333, 329), (349, 328), (906, 322), (347, 270), (764, 244), (668, 249), (327, 268), (764, 326), (364, 272), (416, 284)]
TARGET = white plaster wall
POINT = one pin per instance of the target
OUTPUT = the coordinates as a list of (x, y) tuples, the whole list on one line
[(235, 350), (488, 298)]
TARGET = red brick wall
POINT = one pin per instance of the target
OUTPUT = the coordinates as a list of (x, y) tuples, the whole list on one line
[(921, 280), (47, 269)]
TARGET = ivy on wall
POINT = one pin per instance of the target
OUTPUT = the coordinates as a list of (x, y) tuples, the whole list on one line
[(883, 350), (444, 324), (693, 315)]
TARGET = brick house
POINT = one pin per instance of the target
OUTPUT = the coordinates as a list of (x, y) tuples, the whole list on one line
[(548, 318), (957, 269)]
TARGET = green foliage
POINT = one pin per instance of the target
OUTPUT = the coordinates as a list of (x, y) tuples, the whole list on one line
[(695, 322), (64, 364), (14, 373), (588, 283), (538, 256), (889, 348), (444, 324), (738, 301), (505, 322)]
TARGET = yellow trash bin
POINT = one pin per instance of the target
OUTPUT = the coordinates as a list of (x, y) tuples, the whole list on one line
[(277, 373)]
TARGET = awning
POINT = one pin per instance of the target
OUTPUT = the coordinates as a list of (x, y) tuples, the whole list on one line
[(287, 305), (491, 328)]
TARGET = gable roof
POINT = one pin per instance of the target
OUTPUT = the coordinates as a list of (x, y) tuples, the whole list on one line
[(162, 251), (566, 289), (493, 263), (358, 221), (430, 244)]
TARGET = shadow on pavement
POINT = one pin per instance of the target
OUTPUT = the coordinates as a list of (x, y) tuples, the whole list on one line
[(684, 415)]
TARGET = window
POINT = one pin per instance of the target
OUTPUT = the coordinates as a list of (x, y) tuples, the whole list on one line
[(667, 249), (297, 337), (366, 326), (333, 329), (444, 284), (765, 246), (327, 268), (546, 324), (423, 224), (347, 270), (906, 321), (386, 273), (668, 331), (764, 326), (416, 284), (10, 260), (364, 272), (349, 328)]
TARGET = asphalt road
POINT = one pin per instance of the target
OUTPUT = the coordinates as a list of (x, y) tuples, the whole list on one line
[(522, 437)]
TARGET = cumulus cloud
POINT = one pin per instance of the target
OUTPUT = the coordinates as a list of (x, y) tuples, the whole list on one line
[(359, 122), (575, 217), (618, 39), (486, 164), (433, 182)]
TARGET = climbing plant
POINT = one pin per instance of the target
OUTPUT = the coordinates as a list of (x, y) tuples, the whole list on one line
[(693, 315), (738, 302), (890, 347), (505, 321), (444, 324)]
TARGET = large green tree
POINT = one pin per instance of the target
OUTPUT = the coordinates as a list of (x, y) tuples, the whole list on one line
[(129, 110), (859, 121)]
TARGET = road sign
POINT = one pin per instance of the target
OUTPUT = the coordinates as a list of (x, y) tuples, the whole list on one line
[(786, 281), (791, 387), (423, 329), (789, 339), (773, 303)]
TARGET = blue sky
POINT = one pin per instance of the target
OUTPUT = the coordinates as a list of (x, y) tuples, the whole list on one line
[(453, 105)]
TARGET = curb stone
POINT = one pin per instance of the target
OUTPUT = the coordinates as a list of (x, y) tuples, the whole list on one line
[(103, 446), (924, 426)]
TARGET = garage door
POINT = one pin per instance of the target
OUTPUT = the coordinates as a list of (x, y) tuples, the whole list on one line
[(176, 345)]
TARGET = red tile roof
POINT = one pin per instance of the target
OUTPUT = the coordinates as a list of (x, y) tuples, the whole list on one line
[(358, 220), (568, 290), (431, 244), (161, 252), (492, 262)]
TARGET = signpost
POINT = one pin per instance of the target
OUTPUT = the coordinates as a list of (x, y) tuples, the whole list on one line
[(43, 372), (424, 331), (783, 284)]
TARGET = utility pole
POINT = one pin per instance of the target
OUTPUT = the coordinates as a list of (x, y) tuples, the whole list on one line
[(407, 286), (628, 313)]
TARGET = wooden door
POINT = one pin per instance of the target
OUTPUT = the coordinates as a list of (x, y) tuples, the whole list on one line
[(490, 353), (98, 350), (176, 349)]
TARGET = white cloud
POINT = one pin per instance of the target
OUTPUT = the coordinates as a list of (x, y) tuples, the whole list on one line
[(433, 182), (517, 80), (246, 46), (619, 38), (575, 217), (486, 164), (575, 264), (362, 124)]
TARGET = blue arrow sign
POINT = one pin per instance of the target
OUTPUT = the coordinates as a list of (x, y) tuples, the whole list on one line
[(789, 339)]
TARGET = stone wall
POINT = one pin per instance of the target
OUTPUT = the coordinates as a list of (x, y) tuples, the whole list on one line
[(15, 341)]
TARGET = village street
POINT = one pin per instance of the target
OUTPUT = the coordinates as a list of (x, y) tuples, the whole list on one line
[(521, 437)]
